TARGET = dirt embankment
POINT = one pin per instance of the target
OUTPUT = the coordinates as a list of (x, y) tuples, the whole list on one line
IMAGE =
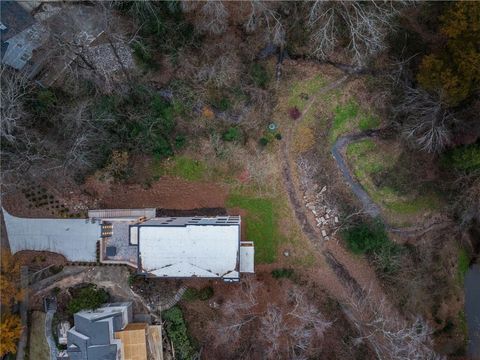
[(166, 193)]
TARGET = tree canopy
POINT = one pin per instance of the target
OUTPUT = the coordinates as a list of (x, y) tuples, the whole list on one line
[(453, 70)]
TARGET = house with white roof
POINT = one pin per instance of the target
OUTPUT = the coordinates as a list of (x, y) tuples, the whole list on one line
[(167, 247)]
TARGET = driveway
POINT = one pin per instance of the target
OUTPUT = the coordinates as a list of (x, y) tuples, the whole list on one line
[(76, 239)]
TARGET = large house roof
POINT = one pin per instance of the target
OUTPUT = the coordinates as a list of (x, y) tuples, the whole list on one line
[(14, 19), (186, 247)]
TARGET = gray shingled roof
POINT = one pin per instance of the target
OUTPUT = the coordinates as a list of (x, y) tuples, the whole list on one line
[(15, 18)]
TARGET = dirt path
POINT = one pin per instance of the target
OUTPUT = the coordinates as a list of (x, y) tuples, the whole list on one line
[(369, 205), (330, 250), (346, 277)]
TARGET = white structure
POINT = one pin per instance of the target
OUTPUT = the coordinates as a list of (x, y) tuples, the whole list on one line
[(189, 247), (171, 247), (76, 239)]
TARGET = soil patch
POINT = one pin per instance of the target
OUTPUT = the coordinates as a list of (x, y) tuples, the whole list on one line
[(167, 193), (39, 259)]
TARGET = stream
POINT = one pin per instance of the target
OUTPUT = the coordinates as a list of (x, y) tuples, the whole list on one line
[(472, 310)]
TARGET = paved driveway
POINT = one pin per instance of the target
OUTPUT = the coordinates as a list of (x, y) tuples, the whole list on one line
[(74, 238)]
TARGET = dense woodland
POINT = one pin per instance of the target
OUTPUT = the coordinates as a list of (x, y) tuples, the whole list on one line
[(210, 72)]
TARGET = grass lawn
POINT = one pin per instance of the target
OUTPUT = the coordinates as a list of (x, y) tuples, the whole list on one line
[(180, 166), (39, 349), (261, 225), (350, 118), (302, 91), (368, 159)]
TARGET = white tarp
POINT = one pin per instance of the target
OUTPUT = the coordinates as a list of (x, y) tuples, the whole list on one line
[(76, 239), (193, 250)]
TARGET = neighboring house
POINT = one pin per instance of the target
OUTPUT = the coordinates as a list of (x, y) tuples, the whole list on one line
[(20, 33), (170, 247), (108, 333), (45, 45)]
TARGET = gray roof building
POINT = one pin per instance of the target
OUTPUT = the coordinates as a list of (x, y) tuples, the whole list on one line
[(92, 337), (21, 34)]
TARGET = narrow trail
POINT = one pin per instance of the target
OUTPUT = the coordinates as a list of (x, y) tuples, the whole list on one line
[(369, 205), (353, 274), (346, 277)]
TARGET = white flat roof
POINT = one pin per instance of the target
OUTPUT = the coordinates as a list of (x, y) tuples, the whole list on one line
[(76, 239), (247, 254), (190, 250)]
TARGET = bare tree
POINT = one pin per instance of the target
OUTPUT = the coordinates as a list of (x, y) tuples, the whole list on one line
[(390, 335), (264, 14), (237, 313), (271, 327), (222, 71), (366, 25), (426, 120), (309, 322), (214, 19), (14, 87), (467, 204)]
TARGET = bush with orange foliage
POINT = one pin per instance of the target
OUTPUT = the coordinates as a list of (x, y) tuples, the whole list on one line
[(10, 293), (454, 70)]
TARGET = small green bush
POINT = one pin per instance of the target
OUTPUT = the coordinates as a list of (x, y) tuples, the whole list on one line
[(233, 134), (372, 239), (180, 141), (365, 238), (463, 158), (144, 54), (190, 294), (259, 75), (223, 103), (89, 297), (46, 100), (203, 294), (282, 273), (263, 141), (177, 333)]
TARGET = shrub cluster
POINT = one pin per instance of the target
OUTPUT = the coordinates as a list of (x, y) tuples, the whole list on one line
[(282, 273), (177, 333), (370, 238), (465, 158), (195, 294), (88, 297)]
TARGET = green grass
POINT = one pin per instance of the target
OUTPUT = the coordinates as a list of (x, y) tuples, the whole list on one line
[(463, 264), (308, 87), (343, 119), (368, 122), (368, 159), (261, 225), (180, 166), (349, 118)]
